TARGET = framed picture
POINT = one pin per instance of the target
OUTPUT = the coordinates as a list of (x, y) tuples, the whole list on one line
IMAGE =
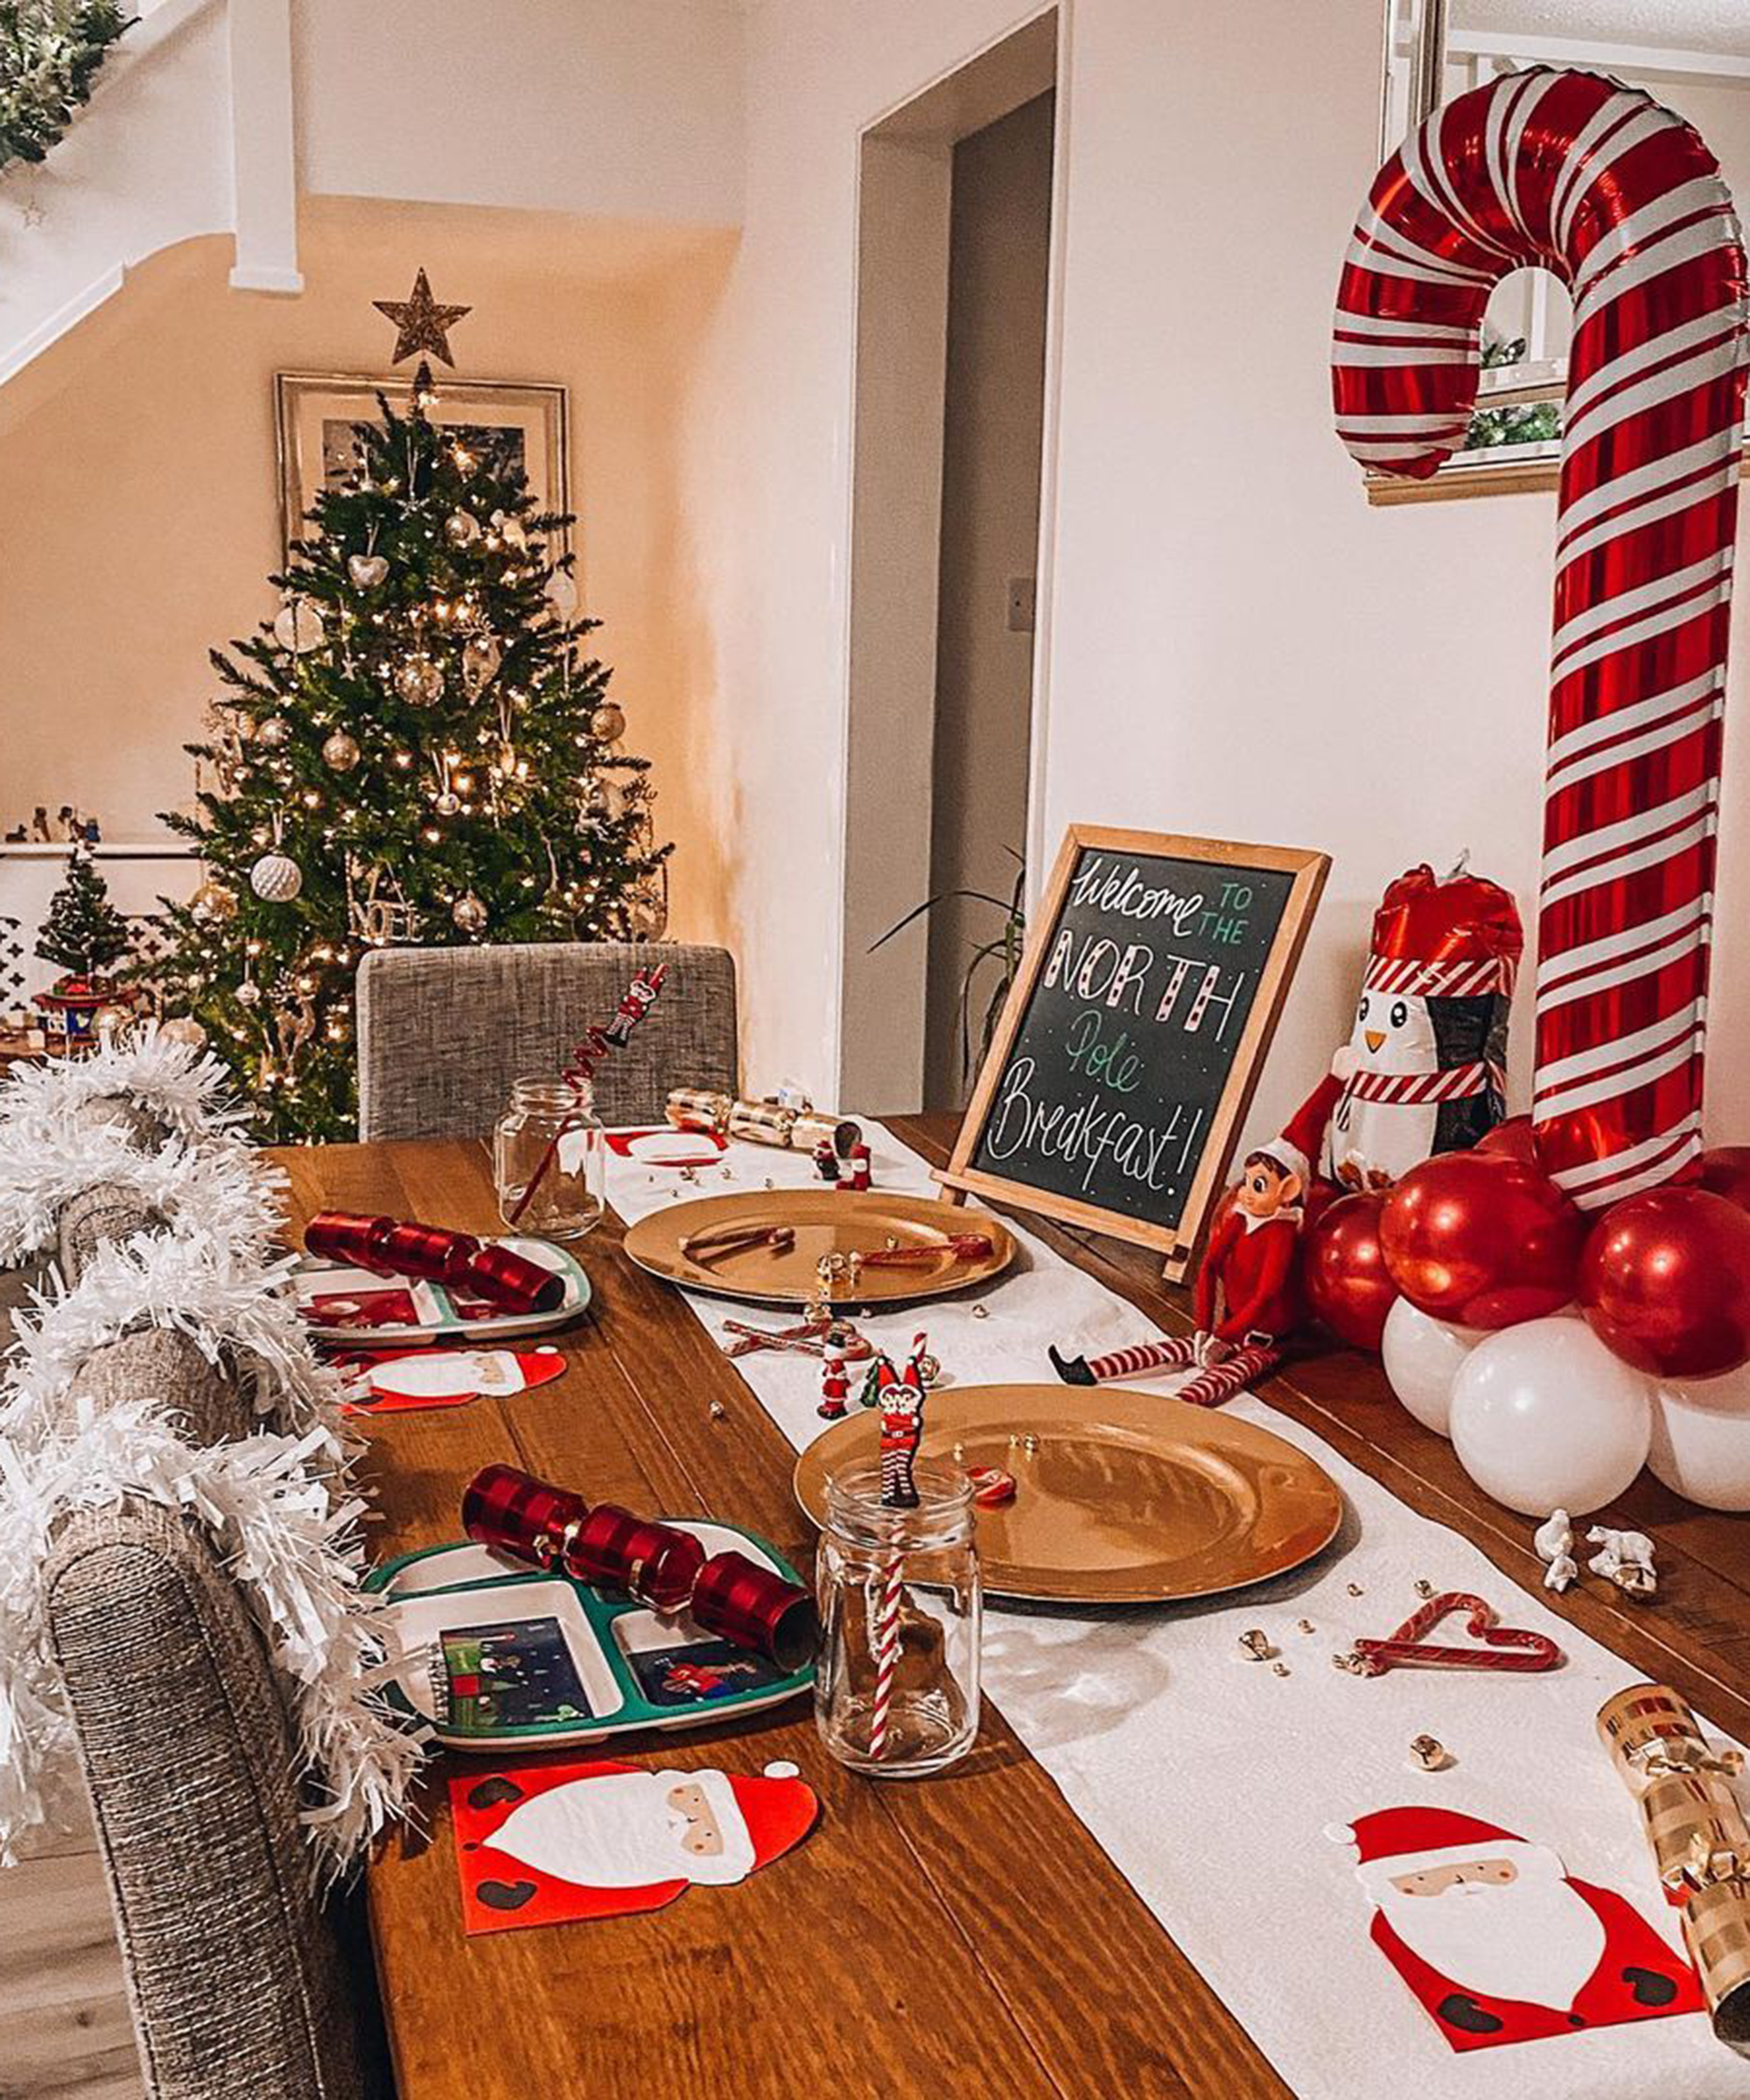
[(511, 424)]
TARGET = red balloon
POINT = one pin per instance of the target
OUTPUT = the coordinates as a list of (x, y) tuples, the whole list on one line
[(1514, 1139), (1343, 1270), (1726, 1171), (1481, 1239), (1665, 1282)]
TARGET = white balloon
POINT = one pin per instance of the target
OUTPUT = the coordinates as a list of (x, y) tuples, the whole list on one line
[(1544, 1418), (1423, 1357), (1701, 1448)]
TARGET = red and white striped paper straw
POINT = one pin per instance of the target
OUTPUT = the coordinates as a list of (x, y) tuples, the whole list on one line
[(1576, 174)]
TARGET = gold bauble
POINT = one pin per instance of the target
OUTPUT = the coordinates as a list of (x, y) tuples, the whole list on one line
[(340, 751), (213, 902), (184, 1028), (276, 878), (366, 570), (607, 722), (274, 732), (470, 913), (419, 681), (461, 528), (297, 627), (248, 993), (480, 661)]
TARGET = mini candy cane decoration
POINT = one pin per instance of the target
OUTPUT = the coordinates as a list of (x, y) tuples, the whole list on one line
[(1623, 202), (902, 1424), (1498, 1649)]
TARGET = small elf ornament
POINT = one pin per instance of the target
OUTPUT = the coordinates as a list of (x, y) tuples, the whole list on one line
[(1423, 1069)]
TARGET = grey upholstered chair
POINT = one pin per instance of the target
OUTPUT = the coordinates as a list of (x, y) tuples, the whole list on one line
[(240, 1982), (443, 1032)]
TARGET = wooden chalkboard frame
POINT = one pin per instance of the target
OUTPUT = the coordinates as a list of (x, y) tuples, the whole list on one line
[(1178, 1243)]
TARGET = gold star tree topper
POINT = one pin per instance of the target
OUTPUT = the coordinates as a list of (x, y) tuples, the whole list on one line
[(421, 323)]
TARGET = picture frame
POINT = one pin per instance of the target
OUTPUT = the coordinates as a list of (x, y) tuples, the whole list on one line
[(314, 413), (1301, 874)]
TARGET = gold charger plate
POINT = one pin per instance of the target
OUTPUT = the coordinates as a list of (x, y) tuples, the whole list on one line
[(1122, 1498), (825, 1220)]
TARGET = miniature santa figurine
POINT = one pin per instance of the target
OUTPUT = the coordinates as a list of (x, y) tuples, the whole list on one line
[(1423, 1069), (1247, 1297), (604, 1840), (1497, 1940), (835, 1384)]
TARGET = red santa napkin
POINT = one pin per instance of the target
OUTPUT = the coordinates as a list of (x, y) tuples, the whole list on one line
[(604, 1840)]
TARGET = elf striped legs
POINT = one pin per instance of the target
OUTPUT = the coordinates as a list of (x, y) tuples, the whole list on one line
[(1224, 1369)]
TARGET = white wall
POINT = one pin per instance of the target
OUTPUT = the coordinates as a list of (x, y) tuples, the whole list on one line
[(599, 105), (1239, 645)]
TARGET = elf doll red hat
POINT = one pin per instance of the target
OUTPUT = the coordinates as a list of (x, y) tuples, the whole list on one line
[(1497, 1940), (1423, 1069)]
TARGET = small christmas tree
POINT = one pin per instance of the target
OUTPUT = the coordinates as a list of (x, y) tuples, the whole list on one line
[(83, 934), (414, 752)]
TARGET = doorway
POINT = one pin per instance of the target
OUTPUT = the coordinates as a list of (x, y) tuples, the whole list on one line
[(957, 203), (993, 430)]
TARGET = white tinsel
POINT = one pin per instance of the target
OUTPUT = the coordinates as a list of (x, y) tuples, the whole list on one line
[(297, 1559), (188, 1089), (220, 1190), (229, 1301)]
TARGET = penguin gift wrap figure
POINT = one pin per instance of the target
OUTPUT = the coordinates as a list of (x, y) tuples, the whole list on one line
[(1424, 1070)]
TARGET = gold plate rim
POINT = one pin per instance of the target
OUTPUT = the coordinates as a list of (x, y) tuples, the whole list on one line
[(1171, 1423), (654, 1243)]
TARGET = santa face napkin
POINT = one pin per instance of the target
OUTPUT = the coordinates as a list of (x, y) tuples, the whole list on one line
[(603, 1839), (1498, 1940)]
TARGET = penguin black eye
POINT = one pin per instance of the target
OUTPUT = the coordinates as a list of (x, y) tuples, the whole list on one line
[(1400, 1013), (1362, 1014)]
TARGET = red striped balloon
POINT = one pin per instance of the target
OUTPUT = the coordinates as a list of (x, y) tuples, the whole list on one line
[(1622, 200)]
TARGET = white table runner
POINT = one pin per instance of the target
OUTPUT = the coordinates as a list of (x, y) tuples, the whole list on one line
[(1210, 1782)]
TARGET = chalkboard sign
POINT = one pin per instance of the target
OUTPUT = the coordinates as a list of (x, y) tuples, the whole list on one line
[(1133, 1034)]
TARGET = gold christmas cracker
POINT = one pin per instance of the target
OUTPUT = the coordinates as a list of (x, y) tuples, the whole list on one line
[(1699, 1837), (760, 1121)]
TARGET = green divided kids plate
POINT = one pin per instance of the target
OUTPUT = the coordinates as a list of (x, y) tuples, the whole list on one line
[(497, 1656)]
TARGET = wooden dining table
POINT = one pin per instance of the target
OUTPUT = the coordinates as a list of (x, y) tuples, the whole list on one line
[(963, 1935)]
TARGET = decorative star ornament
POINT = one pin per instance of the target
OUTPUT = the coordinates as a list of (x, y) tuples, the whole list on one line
[(421, 323)]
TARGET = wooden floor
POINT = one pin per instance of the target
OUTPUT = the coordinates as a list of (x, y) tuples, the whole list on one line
[(65, 2033)]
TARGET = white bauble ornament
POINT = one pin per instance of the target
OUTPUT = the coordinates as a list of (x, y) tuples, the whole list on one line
[(248, 993), (461, 528), (1701, 1439), (447, 803), (297, 627), (275, 879), (184, 1028), (366, 570), (340, 751), (1422, 1356), (419, 681), (275, 733), (561, 592), (469, 914), (1544, 1417), (607, 722)]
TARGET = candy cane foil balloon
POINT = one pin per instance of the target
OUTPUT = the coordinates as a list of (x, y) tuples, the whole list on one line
[(1623, 202)]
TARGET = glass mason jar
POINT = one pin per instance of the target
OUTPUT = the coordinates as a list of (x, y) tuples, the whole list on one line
[(548, 1139), (905, 1706)]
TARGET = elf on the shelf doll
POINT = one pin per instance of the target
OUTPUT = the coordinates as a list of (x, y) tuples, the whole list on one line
[(1248, 1293), (1423, 1069)]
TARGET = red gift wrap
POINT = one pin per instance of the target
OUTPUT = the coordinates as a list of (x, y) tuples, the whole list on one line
[(654, 1563), (503, 1277)]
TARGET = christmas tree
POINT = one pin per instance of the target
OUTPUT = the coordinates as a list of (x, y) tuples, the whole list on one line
[(413, 750), (83, 932)]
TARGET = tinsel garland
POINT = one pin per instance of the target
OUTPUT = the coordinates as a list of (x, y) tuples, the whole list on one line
[(230, 1302), (295, 1552), (226, 1193), (188, 1090)]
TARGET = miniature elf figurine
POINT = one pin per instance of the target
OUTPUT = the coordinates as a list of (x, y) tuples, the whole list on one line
[(902, 1424), (1247, 1297), (835, 1386)]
